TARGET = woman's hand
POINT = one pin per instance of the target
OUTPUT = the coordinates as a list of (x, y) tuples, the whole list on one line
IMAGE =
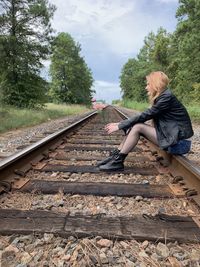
[(111, 127)]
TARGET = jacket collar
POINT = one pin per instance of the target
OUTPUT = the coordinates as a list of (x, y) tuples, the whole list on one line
[(167, 91)]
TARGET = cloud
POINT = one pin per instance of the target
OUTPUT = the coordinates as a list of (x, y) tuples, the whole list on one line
[(168, 1), (110, 32), (93, 20), (117, 26), (107, 91)]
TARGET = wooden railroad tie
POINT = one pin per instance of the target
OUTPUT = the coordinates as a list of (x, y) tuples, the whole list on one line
[(156, 228), (67, 157), (93, 169), (94, 142), (91, 148), (100, 189)]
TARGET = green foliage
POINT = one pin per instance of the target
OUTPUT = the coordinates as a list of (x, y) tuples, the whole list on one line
[(140, 106), (133, 80), (116, 102), (194, 112), (25, 32), (152, 56), (71, 77), (195, 93), (186, 56), (177, 54)]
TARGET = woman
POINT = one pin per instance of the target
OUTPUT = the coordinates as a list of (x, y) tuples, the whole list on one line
[(172, 125)]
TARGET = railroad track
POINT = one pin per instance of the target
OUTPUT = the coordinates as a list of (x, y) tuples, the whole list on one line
[(63, 165)]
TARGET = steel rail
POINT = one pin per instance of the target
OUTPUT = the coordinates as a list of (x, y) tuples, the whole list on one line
[(17, 160), (182, 169), (42, 221)]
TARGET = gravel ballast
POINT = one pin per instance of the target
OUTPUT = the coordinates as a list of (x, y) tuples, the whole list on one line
[(50, 250)]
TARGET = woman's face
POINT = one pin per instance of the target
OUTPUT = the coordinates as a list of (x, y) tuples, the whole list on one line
[(149, 87)]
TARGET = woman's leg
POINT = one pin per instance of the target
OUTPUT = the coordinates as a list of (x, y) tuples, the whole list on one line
[(128, 143), (112, 153), (122, 143), (133, 137)]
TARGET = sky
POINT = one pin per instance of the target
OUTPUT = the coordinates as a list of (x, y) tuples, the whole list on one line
[(110, 32)]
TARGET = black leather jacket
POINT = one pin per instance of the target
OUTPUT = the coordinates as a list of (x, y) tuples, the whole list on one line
[(171, 120)]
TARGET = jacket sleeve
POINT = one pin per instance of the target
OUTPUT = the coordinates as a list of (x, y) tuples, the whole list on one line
[(161, 105)]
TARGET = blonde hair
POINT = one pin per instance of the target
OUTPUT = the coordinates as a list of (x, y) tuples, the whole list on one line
[(158, 81)]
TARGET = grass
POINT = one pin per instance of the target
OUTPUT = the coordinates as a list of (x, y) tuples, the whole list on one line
[(13, 118), (140, 106), (193, 110)]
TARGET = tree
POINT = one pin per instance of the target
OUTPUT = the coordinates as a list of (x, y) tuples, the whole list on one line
[(152, 56), (177, 54), (185, 64), (132, 81), (71, 77), (155, 53), (25, 33)]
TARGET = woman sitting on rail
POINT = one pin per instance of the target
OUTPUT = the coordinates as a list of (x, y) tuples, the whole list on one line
[(172, 125)]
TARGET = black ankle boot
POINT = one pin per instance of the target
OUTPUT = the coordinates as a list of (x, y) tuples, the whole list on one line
[(106, 160), (115, 164)]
